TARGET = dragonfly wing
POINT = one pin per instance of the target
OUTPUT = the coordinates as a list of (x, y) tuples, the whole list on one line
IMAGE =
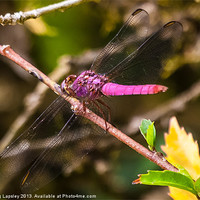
[(73, 142), (132, 33), (145, 64), (27, 146)]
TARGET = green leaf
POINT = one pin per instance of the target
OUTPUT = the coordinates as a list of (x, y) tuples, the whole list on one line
[(144, 126), (148, 130), (197, 186), (167, 178), (151, 136), (183, 171)]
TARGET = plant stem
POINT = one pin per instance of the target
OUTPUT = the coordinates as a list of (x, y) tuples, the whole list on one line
[(20, 17)]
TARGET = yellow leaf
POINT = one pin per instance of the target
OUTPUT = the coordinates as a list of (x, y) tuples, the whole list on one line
[(179, 194), (181, 149)]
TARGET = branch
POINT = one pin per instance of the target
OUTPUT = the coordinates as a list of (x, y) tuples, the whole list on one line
[(6, 51), (20, 17)]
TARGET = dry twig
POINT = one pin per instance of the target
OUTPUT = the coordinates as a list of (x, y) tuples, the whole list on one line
[(20, 17)]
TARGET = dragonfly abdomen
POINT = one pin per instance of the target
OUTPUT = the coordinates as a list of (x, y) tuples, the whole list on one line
[(113, 89)]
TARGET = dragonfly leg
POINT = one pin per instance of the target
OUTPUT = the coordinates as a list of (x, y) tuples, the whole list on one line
[(102, 113), (109, 110), (84, 106)]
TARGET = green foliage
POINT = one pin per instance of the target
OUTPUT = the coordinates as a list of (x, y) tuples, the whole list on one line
[(181, 180), (183, 171), (169, 178), (148, 130), (197, 186)]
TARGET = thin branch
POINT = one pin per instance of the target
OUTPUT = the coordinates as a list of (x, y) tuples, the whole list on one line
[(6, 51), (20, 17)]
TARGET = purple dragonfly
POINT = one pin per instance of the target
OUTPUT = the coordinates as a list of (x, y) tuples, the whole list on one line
[(132, 57)]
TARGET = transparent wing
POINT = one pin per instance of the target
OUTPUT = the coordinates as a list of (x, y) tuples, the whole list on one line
[(145, 64), (74, 141), (38, 136), (133, 33)]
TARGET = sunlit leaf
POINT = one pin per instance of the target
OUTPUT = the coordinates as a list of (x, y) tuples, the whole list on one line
[(197, 186), (148, 130), (181, 149), (167, 178), (183, 171), (179, 194), (151, 136), (144, 126)]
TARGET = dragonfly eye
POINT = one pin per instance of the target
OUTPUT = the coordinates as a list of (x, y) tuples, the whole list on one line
[(70, 79), (64, 86), (66, 89), (68, 92)]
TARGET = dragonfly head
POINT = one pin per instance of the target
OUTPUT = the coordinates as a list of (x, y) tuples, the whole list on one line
[(67, 83)]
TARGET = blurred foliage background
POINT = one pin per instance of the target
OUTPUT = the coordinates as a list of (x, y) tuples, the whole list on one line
[(109, 171)]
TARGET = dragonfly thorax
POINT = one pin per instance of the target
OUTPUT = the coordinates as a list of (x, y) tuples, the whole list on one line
[(87, 86)]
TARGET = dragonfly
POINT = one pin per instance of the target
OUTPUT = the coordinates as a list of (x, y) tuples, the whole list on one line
[(129, 64)]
